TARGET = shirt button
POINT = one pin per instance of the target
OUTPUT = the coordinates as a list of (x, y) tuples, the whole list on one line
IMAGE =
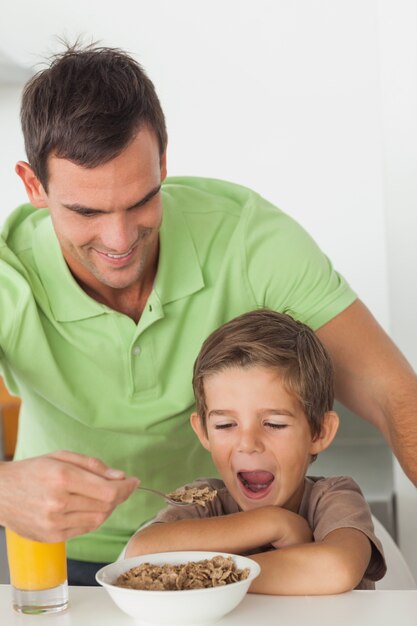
[(136, 351)]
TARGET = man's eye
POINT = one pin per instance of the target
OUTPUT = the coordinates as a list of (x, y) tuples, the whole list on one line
[(87, 213)]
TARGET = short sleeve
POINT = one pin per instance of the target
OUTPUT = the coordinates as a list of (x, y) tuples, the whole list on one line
[(286, 269), (339, 503)]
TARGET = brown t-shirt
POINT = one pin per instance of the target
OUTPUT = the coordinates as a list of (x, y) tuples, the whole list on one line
[(327, 504)]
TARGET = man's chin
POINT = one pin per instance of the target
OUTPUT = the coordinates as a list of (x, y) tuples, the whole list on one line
[(116, 279), (119, 285)]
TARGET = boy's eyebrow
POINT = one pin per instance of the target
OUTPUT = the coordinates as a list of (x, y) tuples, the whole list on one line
[(285, 412), (262, 412), (79, 208), (220, 412)]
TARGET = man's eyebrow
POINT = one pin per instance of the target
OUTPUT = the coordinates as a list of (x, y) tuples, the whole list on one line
[(80, 208)]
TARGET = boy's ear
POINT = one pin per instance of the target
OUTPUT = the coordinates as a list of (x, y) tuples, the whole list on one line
[(34, 188), (327, 433), (199, 428)]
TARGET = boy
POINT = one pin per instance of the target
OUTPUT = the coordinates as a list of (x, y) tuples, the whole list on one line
[(263, 384)]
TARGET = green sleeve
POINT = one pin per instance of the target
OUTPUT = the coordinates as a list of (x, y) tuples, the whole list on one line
[(287, 271)]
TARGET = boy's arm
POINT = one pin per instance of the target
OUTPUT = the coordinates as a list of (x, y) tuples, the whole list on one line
[(237, 532), (334, 565)]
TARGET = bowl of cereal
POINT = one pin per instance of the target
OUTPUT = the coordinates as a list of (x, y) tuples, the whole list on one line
[(178, 588)]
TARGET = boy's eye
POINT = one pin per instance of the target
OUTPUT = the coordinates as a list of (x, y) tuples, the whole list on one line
[(223, 425), (276, 425)]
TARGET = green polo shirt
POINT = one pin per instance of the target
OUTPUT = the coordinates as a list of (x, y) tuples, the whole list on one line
[(93, 381)]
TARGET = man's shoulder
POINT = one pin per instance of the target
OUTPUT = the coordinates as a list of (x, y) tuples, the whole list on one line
[(206, 185), (17, 231), (205, 204), (17, 265), (203, 195)]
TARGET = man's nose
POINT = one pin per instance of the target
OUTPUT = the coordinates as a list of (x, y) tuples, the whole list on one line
[(250, 441), (118, 235)]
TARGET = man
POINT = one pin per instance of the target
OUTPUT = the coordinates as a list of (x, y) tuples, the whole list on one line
[(110, 281)]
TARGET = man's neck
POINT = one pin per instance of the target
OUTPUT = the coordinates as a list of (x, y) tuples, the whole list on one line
[(130, 301)]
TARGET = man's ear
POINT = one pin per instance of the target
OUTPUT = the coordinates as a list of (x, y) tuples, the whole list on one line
[(198, 426), (327, 434), (34, 188), (164, 165)]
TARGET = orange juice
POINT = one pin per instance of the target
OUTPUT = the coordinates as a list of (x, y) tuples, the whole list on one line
[(34, 565)]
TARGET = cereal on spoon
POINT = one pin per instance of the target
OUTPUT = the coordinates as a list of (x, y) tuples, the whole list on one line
[(193, 495)]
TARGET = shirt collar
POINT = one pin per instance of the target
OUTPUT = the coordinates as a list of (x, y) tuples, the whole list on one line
[(68, 301), (179, 273)]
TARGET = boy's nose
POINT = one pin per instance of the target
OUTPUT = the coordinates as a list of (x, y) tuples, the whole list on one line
[(250, 442)]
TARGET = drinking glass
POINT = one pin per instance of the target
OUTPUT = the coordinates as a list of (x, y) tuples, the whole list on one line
[(38, 574)]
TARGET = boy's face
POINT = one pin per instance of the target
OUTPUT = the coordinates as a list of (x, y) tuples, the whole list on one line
[(258, 436)]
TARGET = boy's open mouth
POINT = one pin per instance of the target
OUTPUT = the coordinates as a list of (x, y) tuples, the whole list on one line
[(256, 484)]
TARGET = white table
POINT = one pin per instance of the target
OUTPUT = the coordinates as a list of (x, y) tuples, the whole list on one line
[(91, 606)]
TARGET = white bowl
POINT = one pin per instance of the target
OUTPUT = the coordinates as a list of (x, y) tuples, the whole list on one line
[(182, 608)]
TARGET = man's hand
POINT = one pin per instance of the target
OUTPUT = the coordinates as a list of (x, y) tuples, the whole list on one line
[(61, 495)]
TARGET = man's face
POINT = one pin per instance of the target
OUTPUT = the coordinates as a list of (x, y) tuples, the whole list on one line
[(258, 436), (107, 218)]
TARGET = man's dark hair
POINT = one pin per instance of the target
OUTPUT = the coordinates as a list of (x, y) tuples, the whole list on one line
[(274, 340), (87, 106)]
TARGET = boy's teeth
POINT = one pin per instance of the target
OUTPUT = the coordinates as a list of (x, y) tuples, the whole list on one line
[(256, 487), (249, 478)]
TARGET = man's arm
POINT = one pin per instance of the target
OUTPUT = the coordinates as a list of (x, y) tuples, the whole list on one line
[(334, 565), (237, 532), (57, 496), (374, 379)]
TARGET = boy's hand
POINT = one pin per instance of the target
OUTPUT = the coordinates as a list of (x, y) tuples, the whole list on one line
[(293, 530)]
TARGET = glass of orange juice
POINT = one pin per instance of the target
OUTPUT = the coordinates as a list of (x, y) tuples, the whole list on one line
[(38, 574)]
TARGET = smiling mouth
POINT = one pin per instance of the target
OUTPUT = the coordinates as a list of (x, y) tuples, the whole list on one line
[(114, 255), (117, 259), (118, 256), (256, 482)]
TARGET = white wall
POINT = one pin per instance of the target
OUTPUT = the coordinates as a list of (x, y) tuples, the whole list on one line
[(398, 54), (11, 148), (274, 95), (295, 98)]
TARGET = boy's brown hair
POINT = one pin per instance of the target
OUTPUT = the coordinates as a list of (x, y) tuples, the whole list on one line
[(270, 339), (86, 107)]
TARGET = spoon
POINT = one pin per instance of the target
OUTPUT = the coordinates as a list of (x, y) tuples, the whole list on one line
[(164, 496)]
